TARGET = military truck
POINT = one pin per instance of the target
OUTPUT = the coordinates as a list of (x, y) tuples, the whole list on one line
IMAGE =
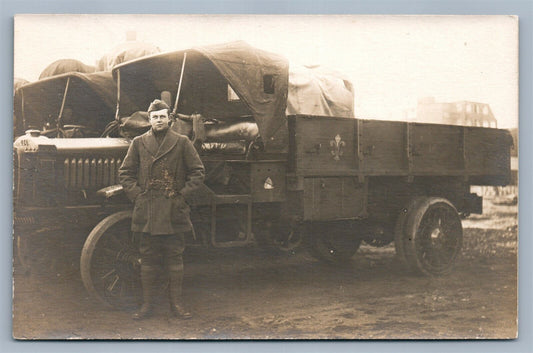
[(273, 178)]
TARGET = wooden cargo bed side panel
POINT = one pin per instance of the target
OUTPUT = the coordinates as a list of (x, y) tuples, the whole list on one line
[(326, 146), (487, 152), (323, 144), (437, 149), (383, 147)]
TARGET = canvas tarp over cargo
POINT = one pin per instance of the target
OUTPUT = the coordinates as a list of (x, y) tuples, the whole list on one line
[(90, 98), (319, 91)]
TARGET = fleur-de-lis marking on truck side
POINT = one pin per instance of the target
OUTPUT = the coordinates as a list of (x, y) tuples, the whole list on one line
[(337, 145)]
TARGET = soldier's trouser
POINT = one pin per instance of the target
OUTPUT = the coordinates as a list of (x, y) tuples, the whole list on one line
[(162, 251)]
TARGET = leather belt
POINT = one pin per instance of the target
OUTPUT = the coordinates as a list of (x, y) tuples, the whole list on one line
[(167, 187)]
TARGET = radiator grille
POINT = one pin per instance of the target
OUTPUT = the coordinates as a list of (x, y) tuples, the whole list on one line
[(88, 173)]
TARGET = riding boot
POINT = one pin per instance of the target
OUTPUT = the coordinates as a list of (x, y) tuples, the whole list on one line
[(174, 290), (148, 278)]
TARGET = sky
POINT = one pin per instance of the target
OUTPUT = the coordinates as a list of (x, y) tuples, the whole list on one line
[(391, 60)]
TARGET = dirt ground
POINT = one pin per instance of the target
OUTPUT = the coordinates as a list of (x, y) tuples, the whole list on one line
[(258, 294)]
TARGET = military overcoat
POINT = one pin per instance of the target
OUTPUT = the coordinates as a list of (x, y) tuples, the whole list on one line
[(159, 179)]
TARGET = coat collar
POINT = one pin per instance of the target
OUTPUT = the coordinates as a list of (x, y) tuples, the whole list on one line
[(156, 150)]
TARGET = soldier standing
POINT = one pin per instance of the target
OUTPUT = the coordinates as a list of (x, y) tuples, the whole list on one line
[(159, 173)]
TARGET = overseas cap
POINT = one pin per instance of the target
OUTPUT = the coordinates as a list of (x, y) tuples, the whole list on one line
[(156, 105)]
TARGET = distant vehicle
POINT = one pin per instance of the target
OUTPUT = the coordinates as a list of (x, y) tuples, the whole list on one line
[(67, 105), (325, 181), (65, 66)]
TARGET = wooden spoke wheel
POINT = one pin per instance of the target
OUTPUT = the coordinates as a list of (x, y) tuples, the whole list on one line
[(332, 243), (429, 236), (110, 262)]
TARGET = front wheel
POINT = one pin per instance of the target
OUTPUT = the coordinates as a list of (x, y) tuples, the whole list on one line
[(110, 262), (429, 236)]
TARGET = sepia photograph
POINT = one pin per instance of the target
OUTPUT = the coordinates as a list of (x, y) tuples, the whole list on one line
[(265, 177)]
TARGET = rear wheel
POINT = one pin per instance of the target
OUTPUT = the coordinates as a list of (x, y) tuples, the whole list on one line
[(110, 262), (332, 242), (429, 236)]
